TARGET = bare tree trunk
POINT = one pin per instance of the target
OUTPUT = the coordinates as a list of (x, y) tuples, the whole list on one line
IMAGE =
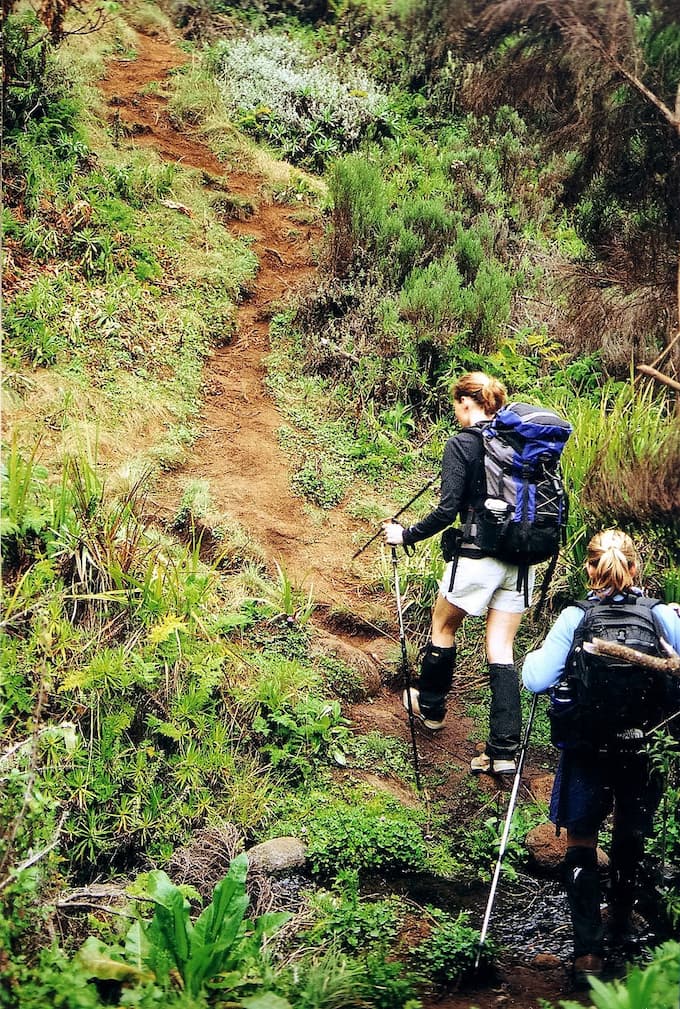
[(52, 14)]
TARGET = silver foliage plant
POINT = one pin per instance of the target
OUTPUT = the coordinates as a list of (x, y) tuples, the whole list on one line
[(281, 91)]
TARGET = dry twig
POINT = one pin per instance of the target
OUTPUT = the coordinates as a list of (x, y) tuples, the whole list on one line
[(670, 665)]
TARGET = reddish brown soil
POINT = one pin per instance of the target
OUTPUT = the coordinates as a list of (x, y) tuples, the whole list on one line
[(238, 453)]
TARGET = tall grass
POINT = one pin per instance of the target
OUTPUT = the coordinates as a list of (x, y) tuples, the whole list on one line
[(622, 468), (625, 428)]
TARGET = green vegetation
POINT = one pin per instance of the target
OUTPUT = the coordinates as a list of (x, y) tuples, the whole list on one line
[(279, 93), (655, 985), (159, 675)]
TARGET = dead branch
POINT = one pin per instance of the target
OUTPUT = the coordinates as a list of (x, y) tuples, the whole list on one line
[(32, 859), (670, 665), (99, 896), (173, 205), (668, 348), (53, 14), (278, 255), (647, 369)]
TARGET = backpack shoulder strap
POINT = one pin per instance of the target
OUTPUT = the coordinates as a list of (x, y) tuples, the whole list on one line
[(477, 476), (649, 605), (646, 603)]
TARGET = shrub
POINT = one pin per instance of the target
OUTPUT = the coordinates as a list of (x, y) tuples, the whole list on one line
[(36, 86), (312, 110), (359, 206), (378, 836), (431, 298), (450, 951)]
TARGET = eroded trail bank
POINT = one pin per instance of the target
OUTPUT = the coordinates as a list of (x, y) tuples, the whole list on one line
[(238, 450)]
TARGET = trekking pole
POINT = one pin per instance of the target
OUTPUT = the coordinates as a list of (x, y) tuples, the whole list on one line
[(407, 674), (394, 517), (506, 830)]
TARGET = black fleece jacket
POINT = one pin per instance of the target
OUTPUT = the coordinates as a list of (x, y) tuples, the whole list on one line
[(462, 464)]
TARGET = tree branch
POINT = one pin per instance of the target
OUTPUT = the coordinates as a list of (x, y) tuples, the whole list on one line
[(647, 369), (572, 24), (670, 665), (672, 117)]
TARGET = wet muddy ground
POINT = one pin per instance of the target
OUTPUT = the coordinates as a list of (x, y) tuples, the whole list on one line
[(529, 930)]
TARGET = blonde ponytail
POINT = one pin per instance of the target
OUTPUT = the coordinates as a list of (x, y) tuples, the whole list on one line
[(612, 562)]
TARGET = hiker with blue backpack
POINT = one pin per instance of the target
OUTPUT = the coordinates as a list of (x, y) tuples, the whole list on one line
[(500, 477), (603, 709)]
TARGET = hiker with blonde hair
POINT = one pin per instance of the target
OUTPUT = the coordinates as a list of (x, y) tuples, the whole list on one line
[(483, 585), (602, 710)]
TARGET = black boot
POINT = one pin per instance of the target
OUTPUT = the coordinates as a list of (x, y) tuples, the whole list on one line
[(583, 895), (624, 863), (505, 713), (428, 695)]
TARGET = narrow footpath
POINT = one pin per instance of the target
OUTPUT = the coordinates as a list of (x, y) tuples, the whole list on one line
[(238, 453)]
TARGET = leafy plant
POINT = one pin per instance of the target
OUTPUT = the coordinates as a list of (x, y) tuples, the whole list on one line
[(299, 737), (655, 985), (451, 949), (482, 839), (220, 947), (290, 602), (375, 835), (24, 509), (312, 109), (331, 979), (353, 924)]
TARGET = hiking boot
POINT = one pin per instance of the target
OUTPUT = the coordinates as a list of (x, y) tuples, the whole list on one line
[(628, 930), (433, 724), (586, 966), (484, 764)]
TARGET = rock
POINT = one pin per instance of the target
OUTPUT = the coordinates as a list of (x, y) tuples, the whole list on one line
[(547, 851), (364, 665), (546, 961), (279, 854)]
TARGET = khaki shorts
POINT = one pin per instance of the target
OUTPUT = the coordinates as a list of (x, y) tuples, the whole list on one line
[(483, 583)]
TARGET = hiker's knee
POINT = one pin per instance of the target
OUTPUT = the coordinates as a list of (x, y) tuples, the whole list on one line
[(501, 628), (446, 619)]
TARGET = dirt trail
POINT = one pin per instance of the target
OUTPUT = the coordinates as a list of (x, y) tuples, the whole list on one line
[(238, 452)]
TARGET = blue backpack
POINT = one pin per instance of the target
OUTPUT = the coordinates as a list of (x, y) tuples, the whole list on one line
[(519, 506)]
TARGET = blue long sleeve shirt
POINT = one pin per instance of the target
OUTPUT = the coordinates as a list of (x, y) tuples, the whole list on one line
[(544, 666)]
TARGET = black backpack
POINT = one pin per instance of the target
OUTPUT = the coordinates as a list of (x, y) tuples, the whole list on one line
[(519, 507), (599, 700)]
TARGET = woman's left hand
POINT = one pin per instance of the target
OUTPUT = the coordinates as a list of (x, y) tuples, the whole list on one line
[(394, 533)]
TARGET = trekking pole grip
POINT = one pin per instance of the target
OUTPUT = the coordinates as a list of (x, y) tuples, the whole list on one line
[(394, 519)]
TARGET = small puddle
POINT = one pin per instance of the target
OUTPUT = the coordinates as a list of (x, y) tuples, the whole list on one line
[(530, 915)]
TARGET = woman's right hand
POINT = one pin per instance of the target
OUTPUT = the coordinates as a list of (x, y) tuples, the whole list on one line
[(394, 533)]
